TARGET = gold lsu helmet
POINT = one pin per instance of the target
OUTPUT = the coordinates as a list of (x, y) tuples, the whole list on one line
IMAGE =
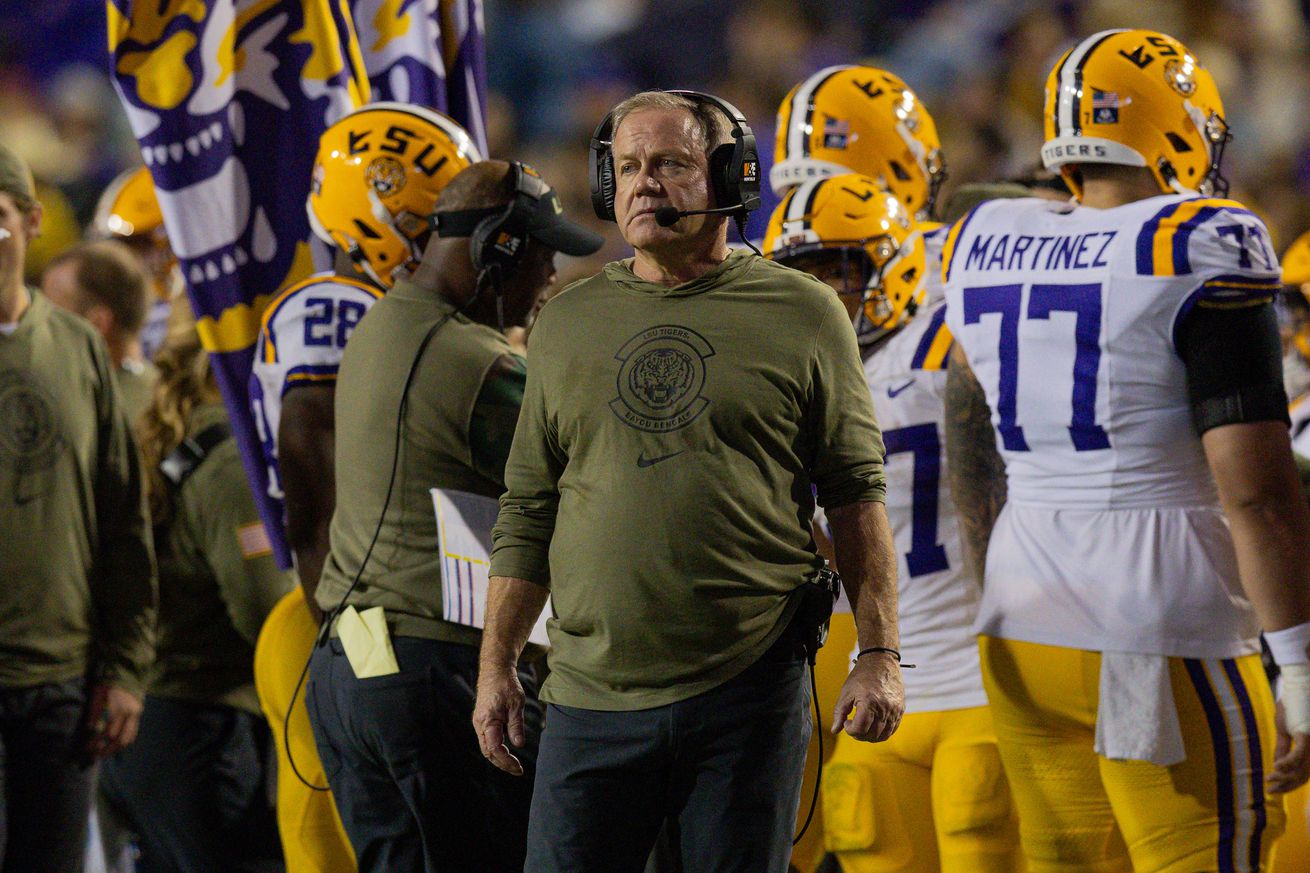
[(856, 216), (376, 178), (1296, 273), (1136, 98), (129, 211), (856, 119)]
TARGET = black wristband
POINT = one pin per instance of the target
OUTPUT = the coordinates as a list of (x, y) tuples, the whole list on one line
[(893, 652)]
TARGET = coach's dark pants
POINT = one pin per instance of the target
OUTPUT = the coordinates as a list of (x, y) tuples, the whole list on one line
[(413, 789), (194, 789), (723, 767), (46, 781)]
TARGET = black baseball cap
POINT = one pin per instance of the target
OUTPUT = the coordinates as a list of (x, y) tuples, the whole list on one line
[(538, 206)]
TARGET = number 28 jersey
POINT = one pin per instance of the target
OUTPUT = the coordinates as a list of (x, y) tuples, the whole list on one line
[(301, 340), (1111, 538)]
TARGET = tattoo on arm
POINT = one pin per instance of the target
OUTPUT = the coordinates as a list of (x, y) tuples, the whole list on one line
[(977, 472), (495, 416)]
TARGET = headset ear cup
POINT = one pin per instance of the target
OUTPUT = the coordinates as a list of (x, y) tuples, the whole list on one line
[(607, 185), (480, 241), (601, 172), (723, 176)]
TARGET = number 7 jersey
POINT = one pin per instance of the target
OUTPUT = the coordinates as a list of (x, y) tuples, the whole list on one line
[(1111, 538)]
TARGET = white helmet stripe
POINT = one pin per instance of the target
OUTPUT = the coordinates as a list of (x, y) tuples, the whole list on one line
[(1071, 81), (802, 203), (798, 123)]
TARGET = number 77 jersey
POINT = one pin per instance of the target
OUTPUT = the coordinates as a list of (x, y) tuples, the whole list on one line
[(1112, 538)]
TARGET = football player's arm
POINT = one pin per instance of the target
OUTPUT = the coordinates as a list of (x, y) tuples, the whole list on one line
[(977, 471), (520, 574), (306, 440), (1233, 362)]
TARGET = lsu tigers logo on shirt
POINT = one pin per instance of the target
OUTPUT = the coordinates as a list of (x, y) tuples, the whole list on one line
[(661, 377)]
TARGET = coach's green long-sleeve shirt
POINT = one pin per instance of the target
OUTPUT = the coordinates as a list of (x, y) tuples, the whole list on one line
[(77, 578), (660, 477)]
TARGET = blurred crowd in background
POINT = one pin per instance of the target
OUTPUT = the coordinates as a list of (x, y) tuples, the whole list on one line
[(556, 66)]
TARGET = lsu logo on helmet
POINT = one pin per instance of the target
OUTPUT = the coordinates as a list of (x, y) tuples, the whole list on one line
[(376, 179), (856, 119), (853, 216), (1136, 98)]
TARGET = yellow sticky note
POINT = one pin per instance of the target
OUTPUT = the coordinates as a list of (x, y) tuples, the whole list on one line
[(367, 643)]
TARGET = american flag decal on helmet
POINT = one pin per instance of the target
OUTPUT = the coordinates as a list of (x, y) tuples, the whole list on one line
[(1105, 107), (836, 133)]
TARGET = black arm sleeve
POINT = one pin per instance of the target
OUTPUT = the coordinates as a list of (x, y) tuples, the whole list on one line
[(1234, 365)]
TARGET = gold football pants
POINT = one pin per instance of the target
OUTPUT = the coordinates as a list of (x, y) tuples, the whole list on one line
[(1081, 812), (313, 840), (931, 798)]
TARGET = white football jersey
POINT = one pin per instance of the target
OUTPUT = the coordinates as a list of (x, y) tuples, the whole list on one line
[(301, 340), (934, 238), (937, 600), (1112, 538)]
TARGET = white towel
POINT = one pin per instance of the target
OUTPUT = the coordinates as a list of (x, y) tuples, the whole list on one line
[(1136, 719)]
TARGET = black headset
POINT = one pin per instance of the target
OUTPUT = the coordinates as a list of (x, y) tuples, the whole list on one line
[(498, 235), (734, 166)]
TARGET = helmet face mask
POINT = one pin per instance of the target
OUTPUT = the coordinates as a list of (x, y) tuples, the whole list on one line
[(831, 226), (376, 179), (1136, 98), (856, 119)]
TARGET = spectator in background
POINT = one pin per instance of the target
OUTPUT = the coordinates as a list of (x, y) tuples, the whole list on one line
[(194, 787), (77, 608), (129, 212), (103, 282)]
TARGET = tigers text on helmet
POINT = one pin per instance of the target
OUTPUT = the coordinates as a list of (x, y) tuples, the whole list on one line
[(856, 119), (1136, 98), (853, 216), (376, 178)]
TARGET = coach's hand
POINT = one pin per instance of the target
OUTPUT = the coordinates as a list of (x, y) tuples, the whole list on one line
[(112, 716), (872, 700), (498, 711), (1291, 766)]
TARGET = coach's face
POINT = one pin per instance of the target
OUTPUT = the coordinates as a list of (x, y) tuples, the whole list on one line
[(660, 160)]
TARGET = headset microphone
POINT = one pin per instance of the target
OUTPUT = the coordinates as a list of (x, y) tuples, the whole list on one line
[(667, 216)]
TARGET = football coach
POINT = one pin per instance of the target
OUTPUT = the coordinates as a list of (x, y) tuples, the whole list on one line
[(682, 411)]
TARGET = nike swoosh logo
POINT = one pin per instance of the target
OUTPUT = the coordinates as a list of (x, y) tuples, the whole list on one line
[(643, 461), (892, 392)]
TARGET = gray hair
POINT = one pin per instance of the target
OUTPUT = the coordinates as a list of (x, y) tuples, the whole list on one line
[(711, 123)]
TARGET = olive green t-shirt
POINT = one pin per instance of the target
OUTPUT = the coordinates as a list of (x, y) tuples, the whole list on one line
[(136, 382), (661, 473), (218, 581), (78, 592), (404, 569)]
